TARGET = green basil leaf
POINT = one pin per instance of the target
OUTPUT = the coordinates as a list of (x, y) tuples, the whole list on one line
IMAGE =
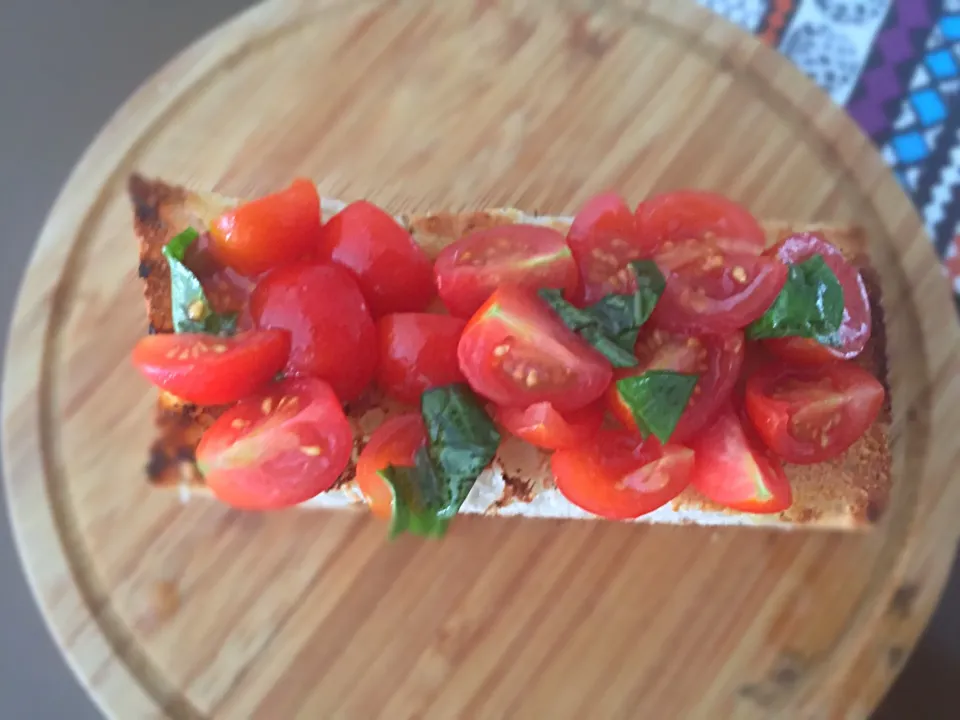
[(191, 311), (657, 399), (810, 305), (417, 497), (612, 324)]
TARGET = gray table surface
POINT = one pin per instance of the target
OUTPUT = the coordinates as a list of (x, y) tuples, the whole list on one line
[(65, 65)]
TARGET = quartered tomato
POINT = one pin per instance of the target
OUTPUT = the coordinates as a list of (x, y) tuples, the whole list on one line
[(603, 238), (715, 358), (530, 256), (808, 415), (393, 272), (417, 351), (710, 289), (541, 425), (854, 333), (734, 469), (333, 335), (210, 370), (619, 476), (396, 442), (516, 352), (278, 448), (699, 215), (267, 233)]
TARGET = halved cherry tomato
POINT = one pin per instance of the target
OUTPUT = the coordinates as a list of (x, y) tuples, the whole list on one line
[(734, 469), (263, 234), (808, 415), (277, 448), (333, 335), (541, 425), (393, 272), (603, 238), (529, 256), (710, 289), (854, 333), (699, 215), (516, 352), (417, 351), (210, 370), (619, 476), (396, 442), (715, 358)]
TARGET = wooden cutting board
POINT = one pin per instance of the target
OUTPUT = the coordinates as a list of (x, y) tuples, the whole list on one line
[(196, 611)]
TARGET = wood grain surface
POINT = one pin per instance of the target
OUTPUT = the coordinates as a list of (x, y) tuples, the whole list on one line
[(197, 611)]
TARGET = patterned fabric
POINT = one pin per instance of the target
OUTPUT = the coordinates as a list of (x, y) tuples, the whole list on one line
[(895, 66)]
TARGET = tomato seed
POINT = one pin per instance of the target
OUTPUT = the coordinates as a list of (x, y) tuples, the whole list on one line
[(311, 450), (739, 274), (267, 405), (196, 311), (219, 348)]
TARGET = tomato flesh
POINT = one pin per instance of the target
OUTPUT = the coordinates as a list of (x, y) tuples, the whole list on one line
[(717, 359), (333, 335), (394, 273), (604, 239), (529, 256), (395, 443), (269, 232), (736, 471), (699, 215), (516, 352), (278, 448), (854, 332), (211, 370), (418, 351), (808, 415), (541, 425), (621, 477)]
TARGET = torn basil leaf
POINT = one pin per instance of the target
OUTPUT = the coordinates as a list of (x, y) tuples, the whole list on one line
[(657, 399), (190, 308)]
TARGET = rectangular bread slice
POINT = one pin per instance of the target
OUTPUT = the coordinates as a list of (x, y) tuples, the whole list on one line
[(848, 492)]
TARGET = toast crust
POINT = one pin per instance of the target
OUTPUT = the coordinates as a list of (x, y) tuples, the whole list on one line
[(851, 491)]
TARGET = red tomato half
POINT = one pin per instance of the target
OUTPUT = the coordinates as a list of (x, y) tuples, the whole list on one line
[(699, 215), (210, 370), (710, 289), (603, 238), (278, 448), (516, 352), (417, 351), (854, 333), (267, 233), (529, 256), (393, 272), (544, 427), (334, 337), (396, 443), (735, 470), (619, 476), (808, 415), (715, 358)]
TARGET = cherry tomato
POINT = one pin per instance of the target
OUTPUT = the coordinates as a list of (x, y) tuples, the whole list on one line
[(210, 370), (267, 233), (530, 256), (603, 238), (710, 289), (715, 358), (699, 215), (333, 335), (393, 272), (853, 334), (277, 448), (808, 415), (734, 469), (619, 476), (396, 443), (516, 352), (541, 425), (417, 351)]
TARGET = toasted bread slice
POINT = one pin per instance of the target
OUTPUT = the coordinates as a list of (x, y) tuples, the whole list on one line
[(849, 492)]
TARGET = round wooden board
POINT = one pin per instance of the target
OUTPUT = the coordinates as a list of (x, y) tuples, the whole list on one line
[(196, 611)]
